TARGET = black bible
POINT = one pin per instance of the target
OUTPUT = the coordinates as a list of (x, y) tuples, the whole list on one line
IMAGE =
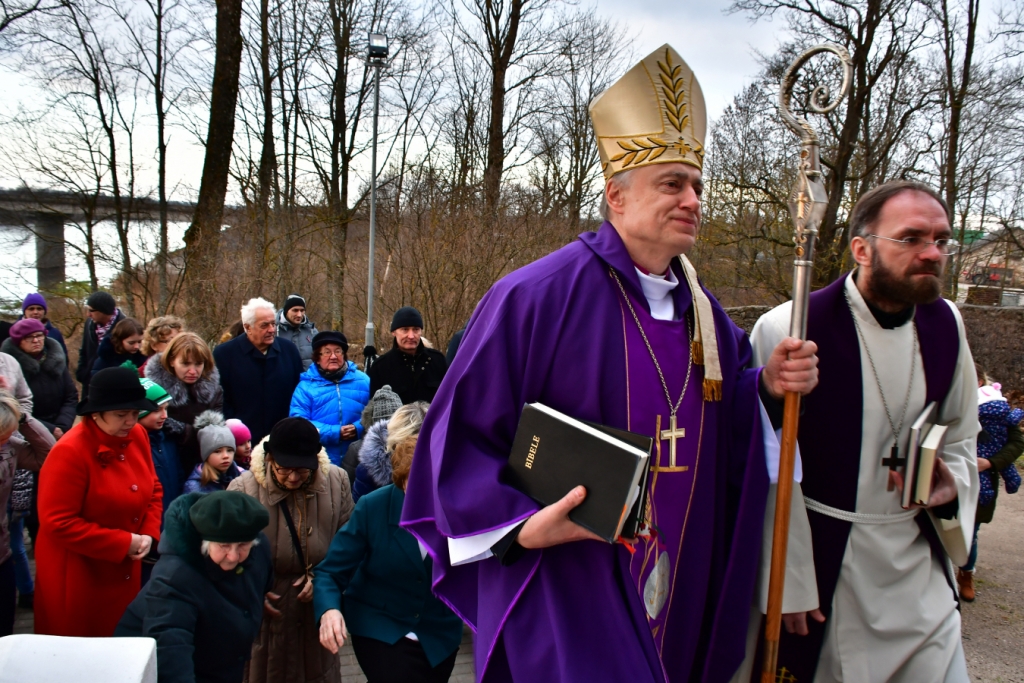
[(553, 453)]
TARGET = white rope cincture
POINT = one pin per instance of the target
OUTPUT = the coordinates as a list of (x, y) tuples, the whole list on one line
[(859, 517)]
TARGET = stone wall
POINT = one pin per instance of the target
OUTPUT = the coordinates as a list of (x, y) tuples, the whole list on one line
[(995, 334)]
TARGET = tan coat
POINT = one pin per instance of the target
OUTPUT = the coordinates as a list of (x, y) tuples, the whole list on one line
[(288, 649)]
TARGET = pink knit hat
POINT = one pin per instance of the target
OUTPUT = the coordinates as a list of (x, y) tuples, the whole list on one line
[(239, 430)]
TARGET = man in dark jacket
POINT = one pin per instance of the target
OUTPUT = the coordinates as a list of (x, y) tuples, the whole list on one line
[(204, 602), (103, 315), (294, 325), (413, 370), (258, 371)]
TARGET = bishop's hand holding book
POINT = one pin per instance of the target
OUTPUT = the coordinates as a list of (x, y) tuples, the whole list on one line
[(588, 476)]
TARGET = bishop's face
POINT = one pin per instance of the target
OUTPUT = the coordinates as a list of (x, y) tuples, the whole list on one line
[(658, 206)]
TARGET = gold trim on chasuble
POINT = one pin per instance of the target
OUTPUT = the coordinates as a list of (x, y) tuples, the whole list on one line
[(654, 114), (650, 514)]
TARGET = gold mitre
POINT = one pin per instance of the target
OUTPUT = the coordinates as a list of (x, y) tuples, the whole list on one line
[(652, 115)]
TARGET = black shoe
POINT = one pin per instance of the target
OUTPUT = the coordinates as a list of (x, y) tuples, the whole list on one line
[(25, 600)]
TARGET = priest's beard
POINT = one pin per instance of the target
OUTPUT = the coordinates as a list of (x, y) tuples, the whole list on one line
[(887, 285)]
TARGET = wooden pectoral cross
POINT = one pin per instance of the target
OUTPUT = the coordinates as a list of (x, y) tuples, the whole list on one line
[(892, 462), (672, 435)]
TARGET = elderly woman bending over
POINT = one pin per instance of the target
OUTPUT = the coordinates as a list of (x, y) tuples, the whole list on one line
[(378, 575), (204, 602), (302, 491)]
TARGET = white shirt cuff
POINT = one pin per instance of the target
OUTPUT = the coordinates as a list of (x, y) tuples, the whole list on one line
[(475, 548), (773, 447)]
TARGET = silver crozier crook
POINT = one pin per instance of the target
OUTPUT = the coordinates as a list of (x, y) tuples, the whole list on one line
[(807, 204)]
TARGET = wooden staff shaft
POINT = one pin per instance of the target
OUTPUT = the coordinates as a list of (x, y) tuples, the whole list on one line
[(780, 536)]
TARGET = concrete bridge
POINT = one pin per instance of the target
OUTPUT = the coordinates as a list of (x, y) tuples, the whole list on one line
[(43, 213)]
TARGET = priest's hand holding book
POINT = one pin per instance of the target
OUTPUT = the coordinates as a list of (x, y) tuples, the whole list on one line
[(943, 486)]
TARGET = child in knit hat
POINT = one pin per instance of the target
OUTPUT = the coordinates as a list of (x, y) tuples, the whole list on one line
[(243, 442), (164, 449), (217, 447)]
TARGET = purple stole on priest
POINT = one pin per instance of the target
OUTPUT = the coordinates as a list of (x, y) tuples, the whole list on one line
[(830, 442)]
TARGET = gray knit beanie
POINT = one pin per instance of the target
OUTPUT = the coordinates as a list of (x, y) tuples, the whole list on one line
[(385, 403), (213, 433)]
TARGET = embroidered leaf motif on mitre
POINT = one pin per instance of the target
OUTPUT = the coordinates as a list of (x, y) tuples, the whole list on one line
[(674, 92)]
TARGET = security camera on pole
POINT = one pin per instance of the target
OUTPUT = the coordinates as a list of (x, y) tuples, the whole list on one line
[(376, 57)]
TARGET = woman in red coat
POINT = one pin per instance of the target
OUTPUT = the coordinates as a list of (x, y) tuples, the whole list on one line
[(100, 504)]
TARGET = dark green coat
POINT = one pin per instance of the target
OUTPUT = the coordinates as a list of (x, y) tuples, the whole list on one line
[(204, 619), (375, 575), (1006, 457)]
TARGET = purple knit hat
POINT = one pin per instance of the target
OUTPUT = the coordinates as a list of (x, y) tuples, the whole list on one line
[(34, 299), (24, 328)]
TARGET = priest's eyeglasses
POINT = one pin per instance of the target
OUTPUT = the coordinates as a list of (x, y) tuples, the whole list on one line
[(917, 244)]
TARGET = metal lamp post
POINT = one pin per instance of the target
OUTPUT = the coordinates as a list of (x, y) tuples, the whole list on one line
[(377, 54)]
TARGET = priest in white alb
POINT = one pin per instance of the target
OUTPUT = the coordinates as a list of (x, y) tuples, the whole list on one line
[(870, 590)]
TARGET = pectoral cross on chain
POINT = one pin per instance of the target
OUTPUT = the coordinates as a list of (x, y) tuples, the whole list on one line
[(892, 462), (672, 434)]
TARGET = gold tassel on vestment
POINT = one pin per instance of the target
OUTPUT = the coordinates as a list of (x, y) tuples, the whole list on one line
[(697, 352), (712, 390)]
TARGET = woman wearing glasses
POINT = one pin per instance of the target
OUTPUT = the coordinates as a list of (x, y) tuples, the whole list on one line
[(332, 394), (308, 500)]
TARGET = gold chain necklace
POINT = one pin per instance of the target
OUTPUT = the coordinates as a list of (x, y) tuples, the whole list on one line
[(689, 365)]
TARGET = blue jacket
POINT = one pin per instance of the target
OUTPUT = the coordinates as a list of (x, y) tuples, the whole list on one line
[(330, 405), (168, 466), (375, 574), (257, 388)]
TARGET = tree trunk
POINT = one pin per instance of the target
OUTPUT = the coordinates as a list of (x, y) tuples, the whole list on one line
[(501, 48), (203, 236)]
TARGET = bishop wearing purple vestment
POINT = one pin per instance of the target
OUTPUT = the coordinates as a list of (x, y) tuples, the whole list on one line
[(615, 328)]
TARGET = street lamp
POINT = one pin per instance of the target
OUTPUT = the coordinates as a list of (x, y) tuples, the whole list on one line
[(376, 56)]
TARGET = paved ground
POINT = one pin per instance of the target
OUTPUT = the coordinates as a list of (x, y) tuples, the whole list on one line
[(994, 623)]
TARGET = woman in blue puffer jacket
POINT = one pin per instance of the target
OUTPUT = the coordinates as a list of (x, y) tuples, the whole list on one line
[(332, 394)]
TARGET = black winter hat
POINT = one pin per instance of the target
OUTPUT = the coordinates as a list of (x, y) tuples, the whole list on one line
[(228, 517), (330, 337), (406, 316), (294, 442), (116, 389), (102, 302), (292, 301)]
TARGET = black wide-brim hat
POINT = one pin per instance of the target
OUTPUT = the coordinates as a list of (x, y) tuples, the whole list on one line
[(115, 389)]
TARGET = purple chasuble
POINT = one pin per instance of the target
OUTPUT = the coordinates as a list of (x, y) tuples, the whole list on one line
[(557, 331), (830, 434)]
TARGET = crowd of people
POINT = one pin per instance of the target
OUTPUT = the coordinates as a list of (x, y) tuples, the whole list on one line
[(206, 497)]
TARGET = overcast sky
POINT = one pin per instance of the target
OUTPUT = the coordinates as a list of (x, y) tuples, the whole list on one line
[(719, 47)]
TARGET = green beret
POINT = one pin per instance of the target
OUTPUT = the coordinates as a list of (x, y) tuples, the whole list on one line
[(228, 517)]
